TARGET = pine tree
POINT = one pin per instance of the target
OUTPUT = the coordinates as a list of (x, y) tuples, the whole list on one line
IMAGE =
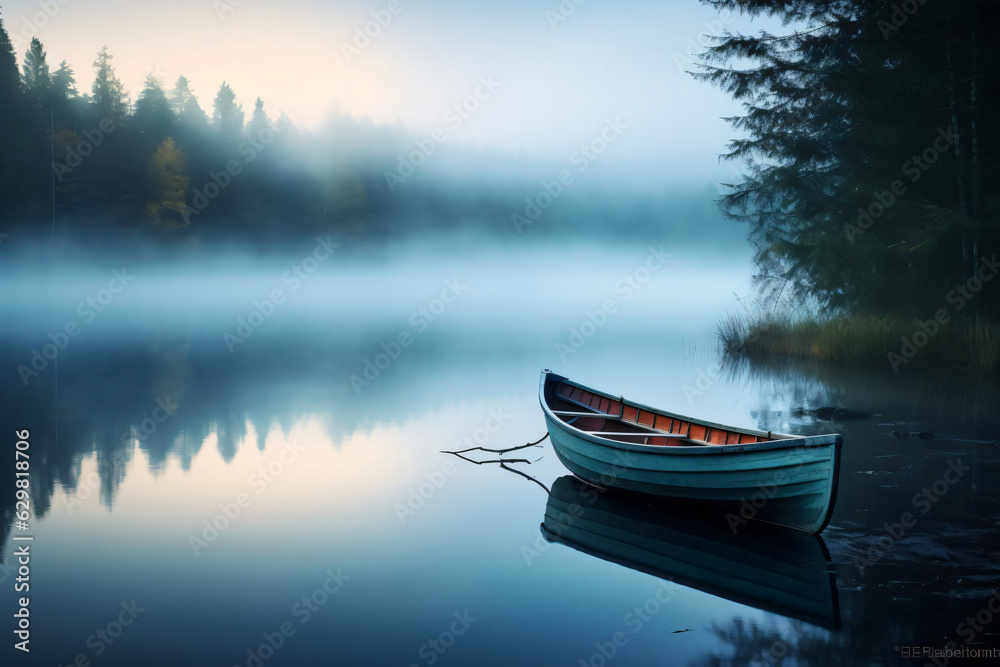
[(837, 114), (185, 104), (108, 91), (258, 120), (69, 109), (10, 123), (64, 82), (36, 70), (793, 120), (227, 116), (153, 115), (10, 81), (37, 84)]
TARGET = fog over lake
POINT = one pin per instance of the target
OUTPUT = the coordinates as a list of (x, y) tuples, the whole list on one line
[(444, 333)]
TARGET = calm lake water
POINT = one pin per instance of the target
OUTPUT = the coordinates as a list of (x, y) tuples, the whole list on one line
[(274, 493)]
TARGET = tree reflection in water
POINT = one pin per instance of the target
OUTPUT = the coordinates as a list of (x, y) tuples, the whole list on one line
[(749, 643)]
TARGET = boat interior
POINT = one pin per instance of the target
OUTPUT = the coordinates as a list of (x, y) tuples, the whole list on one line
[(615, 419)]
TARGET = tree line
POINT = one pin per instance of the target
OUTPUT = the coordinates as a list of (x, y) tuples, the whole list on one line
[(98, 164), (95, 168), (869, 146)]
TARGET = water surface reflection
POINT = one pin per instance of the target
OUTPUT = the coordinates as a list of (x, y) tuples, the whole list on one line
[(142, 441)]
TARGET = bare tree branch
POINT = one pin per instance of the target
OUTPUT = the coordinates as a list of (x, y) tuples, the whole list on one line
[(479, 463), (526, 476), (503, 462), (499, 451)]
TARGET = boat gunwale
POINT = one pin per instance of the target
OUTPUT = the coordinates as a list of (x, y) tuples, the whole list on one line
[(785, 440)]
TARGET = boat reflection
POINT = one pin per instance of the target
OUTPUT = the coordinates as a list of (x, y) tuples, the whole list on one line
[(775, 569)]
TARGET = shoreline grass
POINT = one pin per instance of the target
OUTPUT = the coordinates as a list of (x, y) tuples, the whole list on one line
[(894, 341)]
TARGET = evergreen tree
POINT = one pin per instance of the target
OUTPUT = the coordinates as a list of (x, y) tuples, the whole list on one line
[(258, 120), (185, 104), (10, 123), (839, 114), (153, 115), (227, 116), (69, 109), (64, 82), (37, 85), (36, 70), (108, 91), (10, 81)]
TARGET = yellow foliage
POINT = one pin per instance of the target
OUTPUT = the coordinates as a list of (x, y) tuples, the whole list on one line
[(166, 172)]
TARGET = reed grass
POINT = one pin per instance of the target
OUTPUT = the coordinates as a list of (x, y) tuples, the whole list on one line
[(861, 339)]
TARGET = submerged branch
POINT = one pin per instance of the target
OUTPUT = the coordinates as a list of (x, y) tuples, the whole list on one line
[(526, 476), (498, 451), (503, 462), (479, 463)]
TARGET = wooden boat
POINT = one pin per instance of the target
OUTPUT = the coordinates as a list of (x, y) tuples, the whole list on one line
[(776, 569), (743, 473)]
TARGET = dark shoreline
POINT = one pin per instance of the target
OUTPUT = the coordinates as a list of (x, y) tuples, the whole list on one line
[(896, 342)]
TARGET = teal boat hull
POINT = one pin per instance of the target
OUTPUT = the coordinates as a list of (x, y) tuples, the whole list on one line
[(787, 480)]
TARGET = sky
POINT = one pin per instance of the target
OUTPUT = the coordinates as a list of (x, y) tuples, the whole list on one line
[(535, 77)]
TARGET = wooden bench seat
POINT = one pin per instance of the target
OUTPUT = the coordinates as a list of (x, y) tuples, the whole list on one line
[(638, 434), (567, 413)]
